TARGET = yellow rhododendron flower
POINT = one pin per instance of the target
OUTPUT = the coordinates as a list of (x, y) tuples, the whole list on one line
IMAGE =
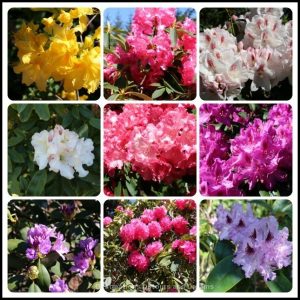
[(57, 50), (72, 96)]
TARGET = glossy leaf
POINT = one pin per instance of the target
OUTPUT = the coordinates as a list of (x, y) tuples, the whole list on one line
[(224, 276)]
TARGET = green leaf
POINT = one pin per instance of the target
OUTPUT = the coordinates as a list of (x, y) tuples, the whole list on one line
[(252, 106), (25, 113), (15, 140), (280, 284), (95, 122), (23, 232), (118, 189), (96, 274), (67, 120), (222, 249), (37, 184), (44, 277), (96, 285), (34, 288), (173, 36), (264, 193), (113, 97), (42, 110), (282, 207), (224, 276), (131, 187), (157, 93), (13, 244), (111, 87), (56, 269), (83, 131), (16, 156)]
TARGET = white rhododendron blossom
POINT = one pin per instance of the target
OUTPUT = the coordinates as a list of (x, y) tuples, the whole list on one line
[(63, 150), (262, 53)]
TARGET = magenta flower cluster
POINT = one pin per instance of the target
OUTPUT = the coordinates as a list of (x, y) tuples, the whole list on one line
[(150, 52), (144, 237), (259, 154), (39, 242), (260, 245), (86, 257)]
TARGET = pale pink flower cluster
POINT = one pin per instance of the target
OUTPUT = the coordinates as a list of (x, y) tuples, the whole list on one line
[(261, 245), (150, 51), (158, 141), (264, 55), (144, 237)]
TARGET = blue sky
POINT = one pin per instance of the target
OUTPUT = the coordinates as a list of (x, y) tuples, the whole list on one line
[(126, 13)]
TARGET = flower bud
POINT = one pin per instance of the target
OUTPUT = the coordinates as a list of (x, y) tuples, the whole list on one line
[(33, 272), (97, 250)]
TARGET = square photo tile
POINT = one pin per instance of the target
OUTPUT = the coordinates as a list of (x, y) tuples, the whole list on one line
[(53, 150), (54, 53), (246, 150), (246, 246), (150, 53), (150, 246), (246, 53), (149, 149), (53, 246)]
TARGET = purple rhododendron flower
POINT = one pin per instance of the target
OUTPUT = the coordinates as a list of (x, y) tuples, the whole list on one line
[(83, 259), (261, 246), (39, 242), (59, 286)]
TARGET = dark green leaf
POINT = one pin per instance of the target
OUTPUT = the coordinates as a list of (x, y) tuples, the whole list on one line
[(94, 122), (25, 113), (37, 184), (131, 187), (224, 276), (118, 189), (83, 131), (42, 111), (222, 249), (15, 140), (280, 284)]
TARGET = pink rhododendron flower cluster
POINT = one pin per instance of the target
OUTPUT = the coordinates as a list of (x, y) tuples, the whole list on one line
[(150, 52), (260, 154), (143, 237), (263, 55), (158, 141), (261, 246)]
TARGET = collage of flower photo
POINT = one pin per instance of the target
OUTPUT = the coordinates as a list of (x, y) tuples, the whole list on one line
[(150, 149)]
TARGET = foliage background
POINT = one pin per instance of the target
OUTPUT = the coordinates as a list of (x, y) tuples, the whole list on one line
[(168, 271), (213, 252), (23, 214), (19, 91), (24, 177), (214, 17)]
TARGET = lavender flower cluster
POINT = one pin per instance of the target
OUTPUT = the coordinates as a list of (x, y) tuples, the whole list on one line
[(40, 243), (86, 257), (260, 245), (260, 154)]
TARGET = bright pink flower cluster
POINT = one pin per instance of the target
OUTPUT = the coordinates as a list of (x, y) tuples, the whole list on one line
[(159, 141), (149, 52), (260, 154), (143, 237)]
